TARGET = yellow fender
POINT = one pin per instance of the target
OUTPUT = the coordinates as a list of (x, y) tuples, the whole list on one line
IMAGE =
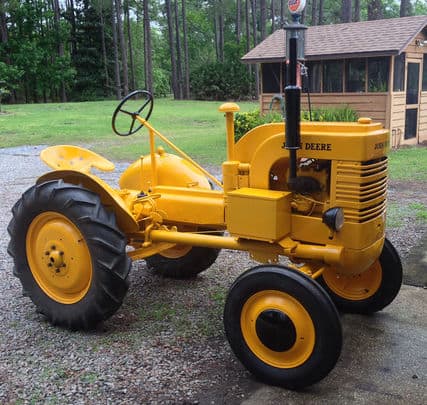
[(72, 164), (110, 198), (171, 170)]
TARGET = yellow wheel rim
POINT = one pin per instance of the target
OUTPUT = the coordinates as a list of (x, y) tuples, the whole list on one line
[(277, 329), (355, 287), (58, 257)]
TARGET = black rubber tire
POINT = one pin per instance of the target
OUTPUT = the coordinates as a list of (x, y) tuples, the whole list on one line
[(320, 308), (198, 259), (106, 245), (391, 281)]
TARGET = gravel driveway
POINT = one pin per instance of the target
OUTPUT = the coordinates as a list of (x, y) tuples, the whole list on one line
[(165, 345)]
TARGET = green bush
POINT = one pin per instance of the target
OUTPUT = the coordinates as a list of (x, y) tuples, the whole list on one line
[(330, 114), (221, 81), (244, 122)]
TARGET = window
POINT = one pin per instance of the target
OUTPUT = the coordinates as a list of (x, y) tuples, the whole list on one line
[(425, 72), (411, 118), (355, 75), (271, 77), (399, 73), (413, 83), (312, 81), (332, 76), (378, 72)]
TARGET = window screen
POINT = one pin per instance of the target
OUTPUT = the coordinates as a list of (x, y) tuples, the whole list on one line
[(399, 73), (332, 76), (378, 71), (271, 78), (312, 81), (413, 83), (355, 75), (425, 72), (411, 118)]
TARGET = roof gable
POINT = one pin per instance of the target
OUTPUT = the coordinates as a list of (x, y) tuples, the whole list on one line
[(385, 37)]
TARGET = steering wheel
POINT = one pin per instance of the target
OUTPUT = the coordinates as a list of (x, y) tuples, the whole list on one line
[(133, 100)]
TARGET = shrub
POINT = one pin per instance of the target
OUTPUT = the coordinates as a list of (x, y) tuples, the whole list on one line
[(331, 114), (244, 122), (221, 81)]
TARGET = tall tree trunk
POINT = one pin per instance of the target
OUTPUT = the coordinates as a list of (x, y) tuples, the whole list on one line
[(356, 14), (117, 84), (104, 48), (59, 44), (282, 13), (248, 33), (221, 30), (4, 39), (172, 48), (123, 48), (314, 12), (346, 11), (3, 23), (178, 53), (375, 10), (254, 31), (71, 11), (186, 61), (148, 48), (405, 8), (247, 25), (263, 18), (238, 20), (254, 24), (273, 15), (130, 47), (320, 20)]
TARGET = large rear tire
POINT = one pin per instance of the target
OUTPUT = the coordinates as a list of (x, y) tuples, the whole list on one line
[(69, 254), (370, 291), (282, 326)]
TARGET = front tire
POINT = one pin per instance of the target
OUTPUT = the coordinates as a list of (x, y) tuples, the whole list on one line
[(69, 254), (370, 291), (282, 326)]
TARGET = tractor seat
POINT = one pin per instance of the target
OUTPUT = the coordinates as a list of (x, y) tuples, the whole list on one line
[(68, 157)]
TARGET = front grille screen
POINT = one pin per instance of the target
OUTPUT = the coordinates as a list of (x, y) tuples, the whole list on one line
[(361, 189)]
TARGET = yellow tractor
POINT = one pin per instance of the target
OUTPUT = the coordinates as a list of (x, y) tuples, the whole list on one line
[(312, 192), (73, 236)]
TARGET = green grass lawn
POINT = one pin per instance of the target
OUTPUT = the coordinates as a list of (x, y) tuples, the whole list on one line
[(195, 126)]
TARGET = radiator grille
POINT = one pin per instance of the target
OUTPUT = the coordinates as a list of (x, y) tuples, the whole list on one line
[(361, 189)]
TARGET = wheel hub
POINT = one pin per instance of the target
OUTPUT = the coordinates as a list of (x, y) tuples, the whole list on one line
[(55, 260), (276, 330), (59, 257)]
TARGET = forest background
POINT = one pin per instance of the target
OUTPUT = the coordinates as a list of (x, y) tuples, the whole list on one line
[(80, 50)]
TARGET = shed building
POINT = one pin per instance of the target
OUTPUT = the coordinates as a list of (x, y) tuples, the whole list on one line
[(378, 68)]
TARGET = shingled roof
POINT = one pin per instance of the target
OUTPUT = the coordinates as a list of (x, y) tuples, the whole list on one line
[(350, 40)]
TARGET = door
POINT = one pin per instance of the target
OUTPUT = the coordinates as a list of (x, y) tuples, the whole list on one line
[(412, 99)]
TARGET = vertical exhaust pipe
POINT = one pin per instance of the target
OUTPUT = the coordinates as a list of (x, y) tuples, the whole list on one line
[(295, 51), (293, 113)]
